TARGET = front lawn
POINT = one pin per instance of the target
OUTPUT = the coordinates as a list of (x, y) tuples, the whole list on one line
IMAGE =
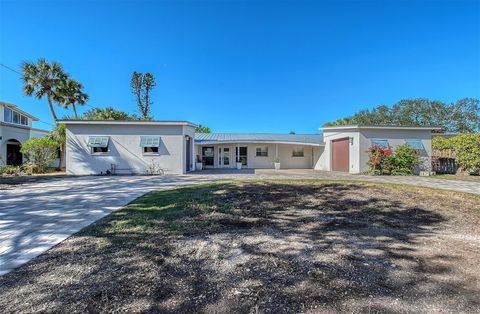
[(274, 247)]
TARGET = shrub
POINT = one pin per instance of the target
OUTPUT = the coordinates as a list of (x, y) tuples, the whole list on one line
[(40, 152), (467, 152), (383, 161), (441, 143), (466, 148), (380, 160), (10, 170), (404, 160)]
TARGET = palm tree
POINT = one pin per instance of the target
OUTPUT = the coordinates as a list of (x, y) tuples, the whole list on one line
[(42, 79), (69, 93), (59, 134)]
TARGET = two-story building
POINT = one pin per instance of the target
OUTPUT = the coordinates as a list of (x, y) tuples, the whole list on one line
[(15, 129)]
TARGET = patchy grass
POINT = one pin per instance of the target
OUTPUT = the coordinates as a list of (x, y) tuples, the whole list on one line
[(282, 246), (457, 178)]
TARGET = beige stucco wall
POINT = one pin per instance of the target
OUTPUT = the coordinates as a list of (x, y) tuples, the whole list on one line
[(287, 161), (124, 148), (362, 141)]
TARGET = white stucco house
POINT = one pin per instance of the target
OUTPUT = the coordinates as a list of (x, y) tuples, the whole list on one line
[(15, 129), (96, 147)]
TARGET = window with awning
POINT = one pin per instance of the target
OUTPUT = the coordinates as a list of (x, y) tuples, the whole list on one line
[(149, 141), (150, 144), (98, 141), (380, 143), (415, 144)]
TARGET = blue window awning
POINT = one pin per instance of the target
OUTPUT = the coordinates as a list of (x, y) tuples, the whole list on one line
[(98, 141), (415, 144), (380, 143), (149, 141)]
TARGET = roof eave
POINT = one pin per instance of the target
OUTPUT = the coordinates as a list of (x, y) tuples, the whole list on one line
[(200, 142), (126, 122), (380, 127), (15, 107)]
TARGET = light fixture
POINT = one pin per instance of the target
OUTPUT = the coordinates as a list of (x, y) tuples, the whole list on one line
[(350, 139)]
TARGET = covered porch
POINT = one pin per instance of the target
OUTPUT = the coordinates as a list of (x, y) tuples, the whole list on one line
[(258, 155)]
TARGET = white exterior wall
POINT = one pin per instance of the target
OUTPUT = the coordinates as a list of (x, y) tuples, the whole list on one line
[(124, 148), (8, 132), (362, 141), (287, 161), (354, 150), (396, 138)]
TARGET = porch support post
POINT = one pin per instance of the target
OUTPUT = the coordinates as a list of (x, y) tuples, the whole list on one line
[(237, 153), (276, 151)]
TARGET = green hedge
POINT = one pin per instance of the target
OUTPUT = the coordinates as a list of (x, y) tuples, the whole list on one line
[(467, 150)]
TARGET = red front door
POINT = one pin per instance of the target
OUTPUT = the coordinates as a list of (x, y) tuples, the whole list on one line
[(340, 158)]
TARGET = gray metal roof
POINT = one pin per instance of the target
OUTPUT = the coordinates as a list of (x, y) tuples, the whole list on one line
[(218, 138)]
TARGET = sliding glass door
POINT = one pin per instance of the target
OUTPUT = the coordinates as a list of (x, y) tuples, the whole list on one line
[(241, 155)]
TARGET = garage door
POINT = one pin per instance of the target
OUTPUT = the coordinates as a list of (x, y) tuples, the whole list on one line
[(340, 161)]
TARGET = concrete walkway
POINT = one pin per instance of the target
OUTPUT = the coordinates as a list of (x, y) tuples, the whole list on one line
[(247, 174), (36, 216)]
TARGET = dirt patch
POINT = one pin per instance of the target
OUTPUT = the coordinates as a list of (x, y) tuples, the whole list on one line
[(265, 247)]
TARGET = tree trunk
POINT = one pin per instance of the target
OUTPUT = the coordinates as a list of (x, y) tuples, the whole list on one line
[(49, 98), (60, 160), (75, 111)]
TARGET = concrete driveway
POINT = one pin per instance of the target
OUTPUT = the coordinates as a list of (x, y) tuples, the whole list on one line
[(36, 216)]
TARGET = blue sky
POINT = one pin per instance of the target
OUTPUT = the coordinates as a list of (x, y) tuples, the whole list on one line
[(248, 66)]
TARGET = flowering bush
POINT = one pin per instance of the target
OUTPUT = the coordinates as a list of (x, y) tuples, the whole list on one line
[(380, 160), (383, 161)]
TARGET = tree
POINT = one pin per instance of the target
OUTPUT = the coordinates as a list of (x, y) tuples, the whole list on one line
[(142, 85), (42, 79), (40, 152), (292, 132), (108, 113), (462, 116), (202, 129), (59, 134), (70, 92)]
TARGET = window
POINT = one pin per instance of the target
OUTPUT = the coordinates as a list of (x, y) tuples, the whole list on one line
[(380, 143), (99, 149), (297, 152), (11, 116), (98, 144), (7, 114), (150, 150), (242, 157), (262, 151), (150, 144), (415, 144), (207, 156), (16, 117)]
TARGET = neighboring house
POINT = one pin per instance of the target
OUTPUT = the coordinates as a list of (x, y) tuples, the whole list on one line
[(95, 147), (15, 129)]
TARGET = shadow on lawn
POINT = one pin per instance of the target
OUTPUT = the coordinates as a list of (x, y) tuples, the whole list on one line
[(263, 247)]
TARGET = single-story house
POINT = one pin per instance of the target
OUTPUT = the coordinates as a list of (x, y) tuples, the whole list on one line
[(15, 129), (95, 147)]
